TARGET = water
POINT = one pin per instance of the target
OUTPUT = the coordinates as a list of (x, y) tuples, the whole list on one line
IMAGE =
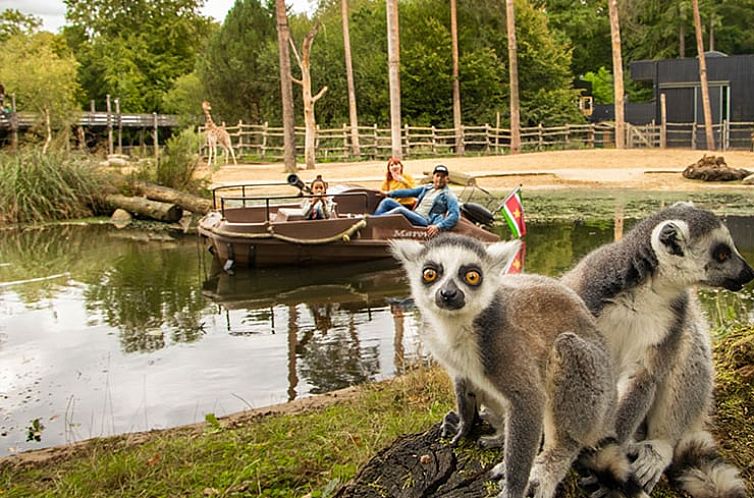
[(129, 331)]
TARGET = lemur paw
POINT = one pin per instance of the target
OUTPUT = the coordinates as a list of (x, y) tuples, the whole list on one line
[(450, 424), (652, 458)]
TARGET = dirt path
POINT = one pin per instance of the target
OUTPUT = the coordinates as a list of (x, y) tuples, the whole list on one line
[(645, 169)]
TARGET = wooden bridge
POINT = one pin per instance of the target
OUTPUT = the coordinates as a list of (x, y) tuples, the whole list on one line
[(97, 119)]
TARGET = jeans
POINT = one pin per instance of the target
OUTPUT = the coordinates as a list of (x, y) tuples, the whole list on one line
[(391, 206)]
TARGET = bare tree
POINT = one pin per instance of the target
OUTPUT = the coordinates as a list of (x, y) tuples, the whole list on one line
[(703, 78), (304, 63), (352, 114), (286, 89), (394, 77), (456, 85), (620, 122), (510, 19)]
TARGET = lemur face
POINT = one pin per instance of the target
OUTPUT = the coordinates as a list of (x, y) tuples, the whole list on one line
[(453, 274), (710, 258)]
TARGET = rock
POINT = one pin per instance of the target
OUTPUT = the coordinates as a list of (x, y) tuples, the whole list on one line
[(749, 180), (121, 218), (713, 169)]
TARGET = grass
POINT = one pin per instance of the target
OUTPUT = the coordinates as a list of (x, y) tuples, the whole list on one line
[(313, 452), (276, 456), (37, 187)]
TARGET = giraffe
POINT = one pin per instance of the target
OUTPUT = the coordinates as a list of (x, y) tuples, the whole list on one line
[(216, 135)]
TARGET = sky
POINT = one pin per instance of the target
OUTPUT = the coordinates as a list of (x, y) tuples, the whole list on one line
[(52, 12)]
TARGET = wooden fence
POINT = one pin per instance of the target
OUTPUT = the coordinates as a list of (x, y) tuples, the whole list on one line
[(266, 142)]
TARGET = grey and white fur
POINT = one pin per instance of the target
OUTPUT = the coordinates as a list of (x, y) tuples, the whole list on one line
[(526, 347), (641, 290)]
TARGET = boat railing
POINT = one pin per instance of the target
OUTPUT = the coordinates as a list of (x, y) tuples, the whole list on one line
[(257, 200)]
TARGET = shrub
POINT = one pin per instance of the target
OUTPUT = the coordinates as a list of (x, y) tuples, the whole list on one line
[(37, 187)]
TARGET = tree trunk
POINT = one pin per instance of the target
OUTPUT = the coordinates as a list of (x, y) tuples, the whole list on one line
[(161, 211), (187, 201), (510, 18), (48, 129), (456, 84), (703, 78), (682, 41), (394, 77), (304, 63), (286, 90), (620, 124), (353, 115)]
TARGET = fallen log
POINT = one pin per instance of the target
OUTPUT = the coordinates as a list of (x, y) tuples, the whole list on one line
[(713, 169), (161, 211), (424, 465), (187, 201)]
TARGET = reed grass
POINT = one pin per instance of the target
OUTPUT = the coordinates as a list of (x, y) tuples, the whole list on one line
[(37, 187)]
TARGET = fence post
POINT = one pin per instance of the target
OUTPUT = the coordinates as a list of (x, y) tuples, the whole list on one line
[(407, 140), (120, 126), (376, 141), (693, 135), (345, 142), (567, 135), (240, 145), (263, 147), (13, 123), (663, 124), (434, 140), (155, 138), (487, 137), (109, 125), (497, 132), (540, 138), (725, 132), (590, 139)]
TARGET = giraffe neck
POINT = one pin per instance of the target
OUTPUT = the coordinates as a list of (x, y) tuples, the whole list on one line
[(208, 120)]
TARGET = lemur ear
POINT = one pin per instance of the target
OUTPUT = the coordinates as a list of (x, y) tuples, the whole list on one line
[(405, 250), (501, 253), (673, 236)]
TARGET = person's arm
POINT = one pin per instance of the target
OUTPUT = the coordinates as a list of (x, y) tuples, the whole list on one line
[(452, 214), (406, 192), (408, 180), (307, 206)]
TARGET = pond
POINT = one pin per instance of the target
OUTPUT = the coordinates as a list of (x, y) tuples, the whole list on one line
[(106, 331)]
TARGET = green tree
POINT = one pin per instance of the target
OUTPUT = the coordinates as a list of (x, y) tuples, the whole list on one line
[(41, 71), (241, 78), (15, 22), (134, 50), (602, 85)]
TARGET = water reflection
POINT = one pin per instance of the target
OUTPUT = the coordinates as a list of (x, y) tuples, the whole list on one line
[(142, 333)]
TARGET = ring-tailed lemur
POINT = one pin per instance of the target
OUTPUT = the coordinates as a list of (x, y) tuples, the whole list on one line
[(528, 348), (640, 289)]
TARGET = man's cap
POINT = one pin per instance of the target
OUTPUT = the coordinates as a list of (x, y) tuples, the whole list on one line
[(440, 168)]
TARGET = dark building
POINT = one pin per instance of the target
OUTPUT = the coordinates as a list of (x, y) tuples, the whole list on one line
[(731, 87)]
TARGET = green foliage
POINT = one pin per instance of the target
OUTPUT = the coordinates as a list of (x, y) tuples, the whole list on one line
[(185, 98), (37, 187), (134, 50), (14, 22), (181, 158), (602, 85), (41, 71)]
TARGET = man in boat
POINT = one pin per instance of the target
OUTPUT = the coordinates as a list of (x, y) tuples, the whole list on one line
[(436, 207), (319, 206)]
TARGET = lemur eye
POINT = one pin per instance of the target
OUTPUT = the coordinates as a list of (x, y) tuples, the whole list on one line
[(429, 275), (721, 253), (472, 277)]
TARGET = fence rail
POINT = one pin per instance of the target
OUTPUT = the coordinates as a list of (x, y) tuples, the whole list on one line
[(98, 118)]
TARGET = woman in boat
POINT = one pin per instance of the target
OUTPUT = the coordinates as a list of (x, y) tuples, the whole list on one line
[(396, 179), (319, 206)]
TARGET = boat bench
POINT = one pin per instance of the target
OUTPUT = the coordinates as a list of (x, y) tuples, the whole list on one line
[(287, 214)]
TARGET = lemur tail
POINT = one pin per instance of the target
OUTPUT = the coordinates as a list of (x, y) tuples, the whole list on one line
[(611, 469), (699, 470)]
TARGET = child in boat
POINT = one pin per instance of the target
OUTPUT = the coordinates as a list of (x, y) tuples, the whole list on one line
[(396, 179), (319, 206)]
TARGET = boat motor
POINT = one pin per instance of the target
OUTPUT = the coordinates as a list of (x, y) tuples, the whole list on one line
[(295, 181)]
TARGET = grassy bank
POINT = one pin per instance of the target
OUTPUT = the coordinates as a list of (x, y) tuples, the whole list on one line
[(315, 451)]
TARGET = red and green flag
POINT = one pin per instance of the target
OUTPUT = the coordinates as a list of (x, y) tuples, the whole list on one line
[(513, 212)]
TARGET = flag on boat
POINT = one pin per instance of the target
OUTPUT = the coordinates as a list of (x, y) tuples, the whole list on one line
[(513, 211), (516, 264)]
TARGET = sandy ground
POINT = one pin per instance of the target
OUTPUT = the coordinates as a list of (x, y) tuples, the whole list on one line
[(644, 169)]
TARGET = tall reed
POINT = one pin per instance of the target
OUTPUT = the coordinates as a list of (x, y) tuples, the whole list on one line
[(36, 187)]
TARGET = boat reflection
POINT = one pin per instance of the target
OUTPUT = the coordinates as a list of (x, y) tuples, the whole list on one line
[(329, 311)]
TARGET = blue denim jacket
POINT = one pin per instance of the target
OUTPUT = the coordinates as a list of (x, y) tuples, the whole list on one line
[(444, 212)]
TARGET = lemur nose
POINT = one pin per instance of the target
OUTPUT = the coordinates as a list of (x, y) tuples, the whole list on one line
[(448, 294)]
